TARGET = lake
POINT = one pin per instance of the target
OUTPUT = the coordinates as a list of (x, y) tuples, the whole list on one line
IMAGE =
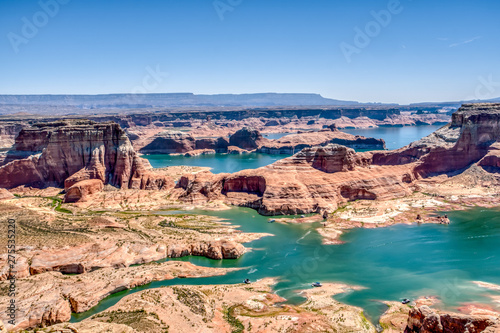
[(392, 263), (396, 137)]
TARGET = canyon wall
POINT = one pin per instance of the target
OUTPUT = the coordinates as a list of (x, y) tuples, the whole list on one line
[(322, 177), (426, 320), (79, 149)]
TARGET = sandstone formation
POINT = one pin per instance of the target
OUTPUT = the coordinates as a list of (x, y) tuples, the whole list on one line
[(214, 250), (37, 307), (247, 138), (237, 150), (199, 152), (8, 133), (294, 143), (316, 179), (425, 320), (4, 194), (320, 178), (82, 190), (170, 143), (234, 308), (77, 150)]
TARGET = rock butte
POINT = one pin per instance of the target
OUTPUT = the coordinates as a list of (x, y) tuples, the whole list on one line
[(249, 139), (425, 320), (68, 152), (320, 178)]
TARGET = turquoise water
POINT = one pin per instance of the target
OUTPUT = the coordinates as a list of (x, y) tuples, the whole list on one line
[(396, 137), (392, 263), (220, 163)]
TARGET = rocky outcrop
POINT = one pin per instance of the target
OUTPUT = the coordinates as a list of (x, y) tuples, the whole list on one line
[(170, 143), (74, 151), (8, 133), (479, 126), (199, 152), (315, 180), (220, 145), (247, 138), (51, 297), (425, 320), (320, 178), (91, 256), (294, 143), (217, 250), (4, 194), (237, 150), (82, 190), (330, 159), (491, 162)]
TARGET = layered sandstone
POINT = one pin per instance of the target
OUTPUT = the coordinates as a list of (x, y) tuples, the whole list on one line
[(425, 320), (51, 297), (316, 179), (170, 143), (247, 138), (234, 308), (320, 178), (82, 190), (8, 133), (74, 151), (294, 143)]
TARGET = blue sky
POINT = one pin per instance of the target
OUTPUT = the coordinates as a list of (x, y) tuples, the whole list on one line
[(425, 51)]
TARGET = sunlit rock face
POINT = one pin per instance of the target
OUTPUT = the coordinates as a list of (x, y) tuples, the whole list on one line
[(51, 153)]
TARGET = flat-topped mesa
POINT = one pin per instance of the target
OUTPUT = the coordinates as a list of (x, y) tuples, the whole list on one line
[(73, 151), (176, 142), (471, 137), (247, 138), (294, 143), (479, 126), (314, 180), (331, 158)]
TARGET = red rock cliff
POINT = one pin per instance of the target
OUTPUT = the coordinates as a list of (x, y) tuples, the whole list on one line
[(81, 150)]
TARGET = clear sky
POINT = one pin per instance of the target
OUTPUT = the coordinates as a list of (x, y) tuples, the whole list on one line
[(424, 50)]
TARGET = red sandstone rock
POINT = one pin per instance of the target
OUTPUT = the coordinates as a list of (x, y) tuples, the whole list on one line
[(319, 178), (169, 142), (82, 190), (306, 187), (4, 194), (199, 152), (247, 138), (425, 320), (214, 250), (77, 151), (237, 150), (293, 143)]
